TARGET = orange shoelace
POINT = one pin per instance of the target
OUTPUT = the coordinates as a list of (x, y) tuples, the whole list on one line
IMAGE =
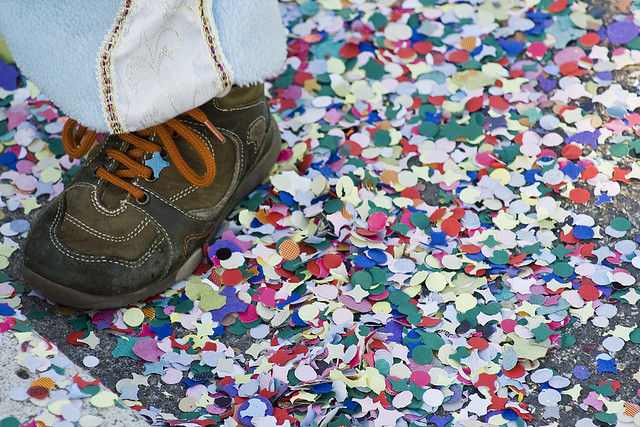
[(77, 141)]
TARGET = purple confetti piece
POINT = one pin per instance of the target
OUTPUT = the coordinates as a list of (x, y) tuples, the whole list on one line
[(8, 76), (622, 32)]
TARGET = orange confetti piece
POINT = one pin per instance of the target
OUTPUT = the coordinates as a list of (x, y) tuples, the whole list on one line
[(468, 43), (289, 249), (149, 312), (45, 382)]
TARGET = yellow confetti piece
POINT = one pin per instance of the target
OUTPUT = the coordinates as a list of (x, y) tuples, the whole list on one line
[(465, 302), (382, 307), (436, 282), (104, 399), (133, 317), (308, 312), (55, 407)]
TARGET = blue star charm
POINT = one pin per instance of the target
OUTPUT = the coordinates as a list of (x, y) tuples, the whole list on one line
[(156, 163)]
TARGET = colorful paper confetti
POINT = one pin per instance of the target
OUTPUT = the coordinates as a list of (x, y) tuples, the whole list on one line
[(442, 224)]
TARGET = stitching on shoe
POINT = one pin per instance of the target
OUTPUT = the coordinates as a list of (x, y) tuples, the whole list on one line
[(102, 209), (243, 107), (156, 223), (75, 221), (98, 152), (183, 193), (188, 239), (168, 202), (95, 258), (235, 179)]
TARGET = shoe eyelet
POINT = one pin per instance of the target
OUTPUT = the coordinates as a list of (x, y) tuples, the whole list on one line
[(152, 179), (164, 153), (144, 201), (95, 172)]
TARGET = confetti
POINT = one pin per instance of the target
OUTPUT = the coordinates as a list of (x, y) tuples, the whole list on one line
[(423, 243)]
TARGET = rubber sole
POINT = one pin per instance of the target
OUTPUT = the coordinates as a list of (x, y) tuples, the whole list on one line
[(75, 298)]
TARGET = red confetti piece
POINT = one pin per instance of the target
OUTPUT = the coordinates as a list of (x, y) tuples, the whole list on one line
[(580, 195), (571, 152), (474, 104), (569, 68), (38, 392), (458, 56), (451, 226), (470, 249), (517, 372), (232, 277), (558, 6), (332, 260), (73, 337), (498, 102), (423, 47), (406, 53), (439, 213), (588, 292), (478, 343), (589, 39), (349, 51), (589, 172)]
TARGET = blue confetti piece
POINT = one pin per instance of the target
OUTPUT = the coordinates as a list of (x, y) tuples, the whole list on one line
[(8, 76), (5, 310), (364, 262), (583, 232), (156, 163)]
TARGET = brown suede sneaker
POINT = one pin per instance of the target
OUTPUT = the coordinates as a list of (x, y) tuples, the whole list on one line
[(135, 218)]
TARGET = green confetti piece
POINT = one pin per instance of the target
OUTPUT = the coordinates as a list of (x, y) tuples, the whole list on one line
[(542, 332), (378, 20), (420, 220), (398, 385), (81, 323), (362, 278), (604, 389), (634, 336), (91, 390), (490, 241), (567, 340), (422, 355), (619, 149), (381, 138), (210, 299), (607, 418), (620, 224), (309, 8), (20, 326), (383, 367), (562, 269), (333, 206), (499, 257), (9, 422), (428, 129), (124, 347), (374, 70), (532, 249)]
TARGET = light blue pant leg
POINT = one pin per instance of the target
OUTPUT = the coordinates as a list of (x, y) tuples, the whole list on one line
[(56, 44)]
